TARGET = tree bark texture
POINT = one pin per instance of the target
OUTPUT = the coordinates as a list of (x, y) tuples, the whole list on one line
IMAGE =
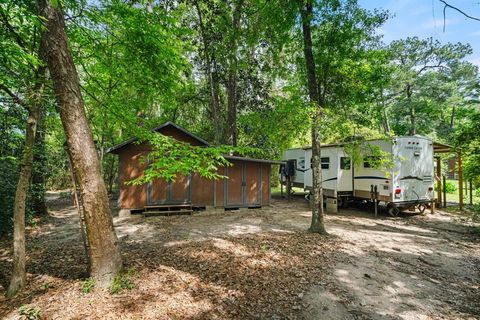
[(37, 186), (317, 224), (18, 279), (413, 122), (232, 76), (104, 258), (212, 81)]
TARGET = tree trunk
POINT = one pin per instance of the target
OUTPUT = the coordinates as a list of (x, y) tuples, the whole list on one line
[(413, 123), (18, 280), (317, 224), (232, 77), (385, 122), (37, 186), (452, 118), (212, 81), (104, 258)]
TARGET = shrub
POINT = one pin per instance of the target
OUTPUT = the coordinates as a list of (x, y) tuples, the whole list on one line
[(450, 187), (29, 313)]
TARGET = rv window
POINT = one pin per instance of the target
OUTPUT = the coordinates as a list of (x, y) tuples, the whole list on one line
[(345, 163), (325, 163), (301, 163)]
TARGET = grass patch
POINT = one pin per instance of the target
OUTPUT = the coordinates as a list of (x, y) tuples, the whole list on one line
[(123, 281), (88, 285)]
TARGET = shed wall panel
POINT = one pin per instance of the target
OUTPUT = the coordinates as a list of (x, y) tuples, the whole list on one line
[(131, 167), (234, 184), (202, 191), (220, 190), (252, 183), (266, 184)]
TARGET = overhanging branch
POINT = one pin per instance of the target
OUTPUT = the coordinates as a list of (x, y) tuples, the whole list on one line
[(447, 5), (14, 97)]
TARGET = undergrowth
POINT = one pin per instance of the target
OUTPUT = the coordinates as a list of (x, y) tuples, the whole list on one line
[(29, 313), (123, 281), (88, 285)]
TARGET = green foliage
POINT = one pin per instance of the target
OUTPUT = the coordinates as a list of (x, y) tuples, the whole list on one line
[(361, 150), (8, 178), (88, 285), (29, 313), (123, 281), (429, 84), (450, 187), (467, 137), (170, 158)]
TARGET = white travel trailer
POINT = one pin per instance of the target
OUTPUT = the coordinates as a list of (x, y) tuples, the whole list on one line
[(409, 183)]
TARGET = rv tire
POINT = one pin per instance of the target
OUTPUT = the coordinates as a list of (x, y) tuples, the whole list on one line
[(342, 202)]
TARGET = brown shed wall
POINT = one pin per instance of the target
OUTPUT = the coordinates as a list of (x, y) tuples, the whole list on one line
[(266, 184), (204, 192), (130, 167)]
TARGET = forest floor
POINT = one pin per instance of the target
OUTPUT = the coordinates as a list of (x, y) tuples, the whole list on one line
[(257, 264)]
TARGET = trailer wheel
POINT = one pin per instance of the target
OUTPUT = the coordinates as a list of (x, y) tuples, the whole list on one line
[(421, 208), (342, 202), (393, 211)]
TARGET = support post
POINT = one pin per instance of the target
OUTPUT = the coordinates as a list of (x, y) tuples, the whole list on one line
[(471, 192), (444, 182), (289, 188), (439, 182), (432, 208), (460, 180), (281, 185), (375, 190)]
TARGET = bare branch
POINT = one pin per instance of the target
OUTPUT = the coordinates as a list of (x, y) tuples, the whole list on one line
[(447, 5)]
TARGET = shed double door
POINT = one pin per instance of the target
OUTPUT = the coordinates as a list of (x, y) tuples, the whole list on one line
[(178, 192), (243, 188)]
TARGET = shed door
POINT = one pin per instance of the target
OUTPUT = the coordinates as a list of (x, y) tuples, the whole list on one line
[(157, 191), (252, 183), (161, 192), (243, 186), (234, 185)]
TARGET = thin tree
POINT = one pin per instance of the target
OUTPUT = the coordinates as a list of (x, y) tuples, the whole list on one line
[(317, 225), (104, 258), (33, 106)]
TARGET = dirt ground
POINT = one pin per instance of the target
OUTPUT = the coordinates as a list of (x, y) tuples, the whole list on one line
[(259, 264)]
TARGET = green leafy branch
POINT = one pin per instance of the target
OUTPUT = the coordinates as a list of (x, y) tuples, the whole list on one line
[(170, 158)]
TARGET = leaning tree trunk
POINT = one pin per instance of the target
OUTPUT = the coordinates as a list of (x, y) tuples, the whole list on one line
[(317, 224), (104, 258), (33, 104)]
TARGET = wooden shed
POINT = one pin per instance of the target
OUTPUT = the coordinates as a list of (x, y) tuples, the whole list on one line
[(247, 185)]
